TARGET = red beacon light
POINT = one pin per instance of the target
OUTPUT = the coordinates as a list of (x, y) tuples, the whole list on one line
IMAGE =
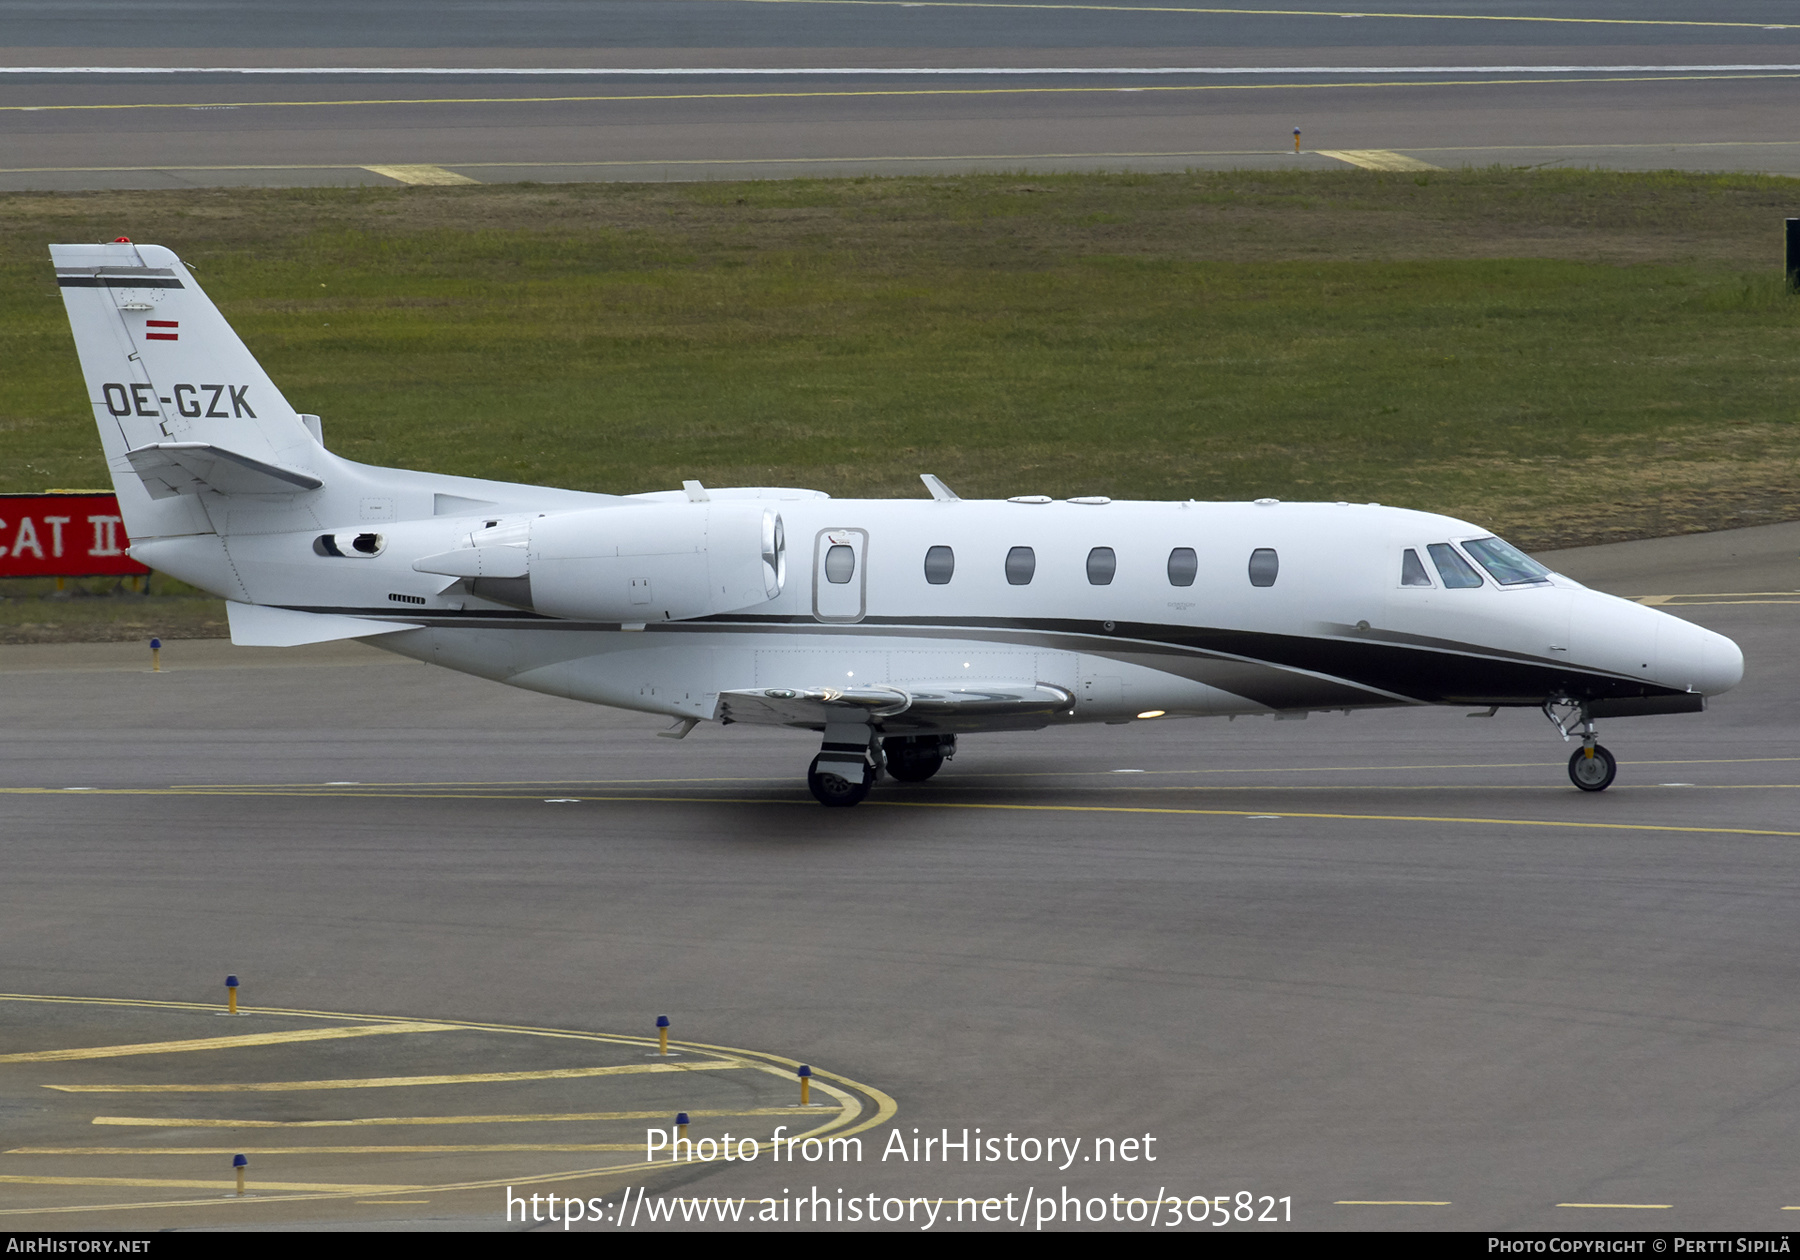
[(121, 240)]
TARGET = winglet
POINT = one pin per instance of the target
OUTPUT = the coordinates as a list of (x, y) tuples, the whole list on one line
[(939, 491)]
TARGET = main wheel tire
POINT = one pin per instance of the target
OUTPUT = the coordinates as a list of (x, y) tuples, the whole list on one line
[(913, 760), (829, 788), (1592, 774)]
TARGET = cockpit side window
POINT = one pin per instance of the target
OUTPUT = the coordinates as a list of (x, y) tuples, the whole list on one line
[(1509, 565), (1412, 570), (1458, 574)]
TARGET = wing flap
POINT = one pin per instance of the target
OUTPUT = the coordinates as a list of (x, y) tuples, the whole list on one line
[(951, 704)]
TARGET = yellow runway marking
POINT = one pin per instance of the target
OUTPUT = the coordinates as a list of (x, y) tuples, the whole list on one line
[(391, 1202), (1329, 13), (1378, 159), (378, 1121), (219, 1043), (387, 1082), (626, 98), (1392, 1203), (222, 1185), (1617, 1205), (212, 1151), (421, 174)]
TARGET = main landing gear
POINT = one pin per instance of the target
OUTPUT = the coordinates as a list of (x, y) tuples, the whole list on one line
[(915, 758), (854, 756), (1591, 767)]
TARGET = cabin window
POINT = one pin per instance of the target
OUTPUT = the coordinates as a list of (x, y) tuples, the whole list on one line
[(1412, 570), (1458, 574), (1101, 565), (1183, 565), (1509, 565), (840, 564), (1264, 565), (940, 565), (1021, 563)]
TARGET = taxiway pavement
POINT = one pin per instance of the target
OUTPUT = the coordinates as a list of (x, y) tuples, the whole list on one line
[(729, 89), (1391, 965)]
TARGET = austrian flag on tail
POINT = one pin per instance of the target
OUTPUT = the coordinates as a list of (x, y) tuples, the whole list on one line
[(170, 324)]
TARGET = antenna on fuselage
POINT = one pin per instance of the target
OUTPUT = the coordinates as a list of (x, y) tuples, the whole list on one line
[(939, 491)]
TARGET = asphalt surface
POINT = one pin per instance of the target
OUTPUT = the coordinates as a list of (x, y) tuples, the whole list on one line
[(1592, 83), (1389, 966)]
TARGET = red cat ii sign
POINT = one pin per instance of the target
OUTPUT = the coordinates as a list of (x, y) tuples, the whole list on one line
[(63, 535)]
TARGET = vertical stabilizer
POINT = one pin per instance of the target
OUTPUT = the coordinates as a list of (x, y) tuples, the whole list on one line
[(163, 366)]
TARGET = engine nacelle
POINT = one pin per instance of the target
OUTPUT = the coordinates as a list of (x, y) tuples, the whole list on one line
[(657, 562)]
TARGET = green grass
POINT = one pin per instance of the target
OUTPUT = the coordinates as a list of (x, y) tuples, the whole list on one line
[(1564, 356)]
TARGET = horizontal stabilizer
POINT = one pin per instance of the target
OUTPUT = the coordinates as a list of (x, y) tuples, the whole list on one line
[(946, 703), (171, 468), (476, 562), (261, 625)]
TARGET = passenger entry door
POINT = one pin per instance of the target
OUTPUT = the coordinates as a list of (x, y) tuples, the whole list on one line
[(840, 575)]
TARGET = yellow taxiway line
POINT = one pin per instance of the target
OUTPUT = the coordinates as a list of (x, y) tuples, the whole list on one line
[(490, 1148), (388, 1082), (219, 1043), (878, 803), (850, 1111), (190, 1122), (1179, 10), (652, 97), (164, 1183)]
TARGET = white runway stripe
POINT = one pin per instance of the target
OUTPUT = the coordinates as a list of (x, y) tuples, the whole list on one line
[(859, 71)]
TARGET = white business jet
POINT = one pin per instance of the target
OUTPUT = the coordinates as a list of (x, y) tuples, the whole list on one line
[(889, 627)]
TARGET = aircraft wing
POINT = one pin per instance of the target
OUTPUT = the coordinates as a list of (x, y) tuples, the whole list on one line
[(171, 468), (916, 706)]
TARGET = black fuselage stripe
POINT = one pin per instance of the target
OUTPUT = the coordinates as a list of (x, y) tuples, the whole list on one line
[(1428, 675)]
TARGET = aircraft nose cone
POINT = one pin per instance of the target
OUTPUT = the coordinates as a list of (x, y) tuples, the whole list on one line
[(1694, 658)]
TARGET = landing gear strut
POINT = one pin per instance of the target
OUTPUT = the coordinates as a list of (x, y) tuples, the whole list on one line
[(915, 758), (1591, 767)]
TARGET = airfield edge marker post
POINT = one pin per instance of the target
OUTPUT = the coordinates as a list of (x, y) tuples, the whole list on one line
[(1793, 255), (231, 988), (681, 1124), (240, 1163), (662, 1035), (156, 656), (1297, 149), (805, 1075)]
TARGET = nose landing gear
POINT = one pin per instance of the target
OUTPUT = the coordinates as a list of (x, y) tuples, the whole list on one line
[(1591, 767)]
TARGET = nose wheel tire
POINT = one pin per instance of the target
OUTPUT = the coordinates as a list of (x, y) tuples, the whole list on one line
[(831, 788), (1592, 774)]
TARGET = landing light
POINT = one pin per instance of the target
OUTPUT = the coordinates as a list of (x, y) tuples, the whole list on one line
[(1150, 713)]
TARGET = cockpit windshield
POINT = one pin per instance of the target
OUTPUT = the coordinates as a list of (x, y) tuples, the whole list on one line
[(1509, 565)]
